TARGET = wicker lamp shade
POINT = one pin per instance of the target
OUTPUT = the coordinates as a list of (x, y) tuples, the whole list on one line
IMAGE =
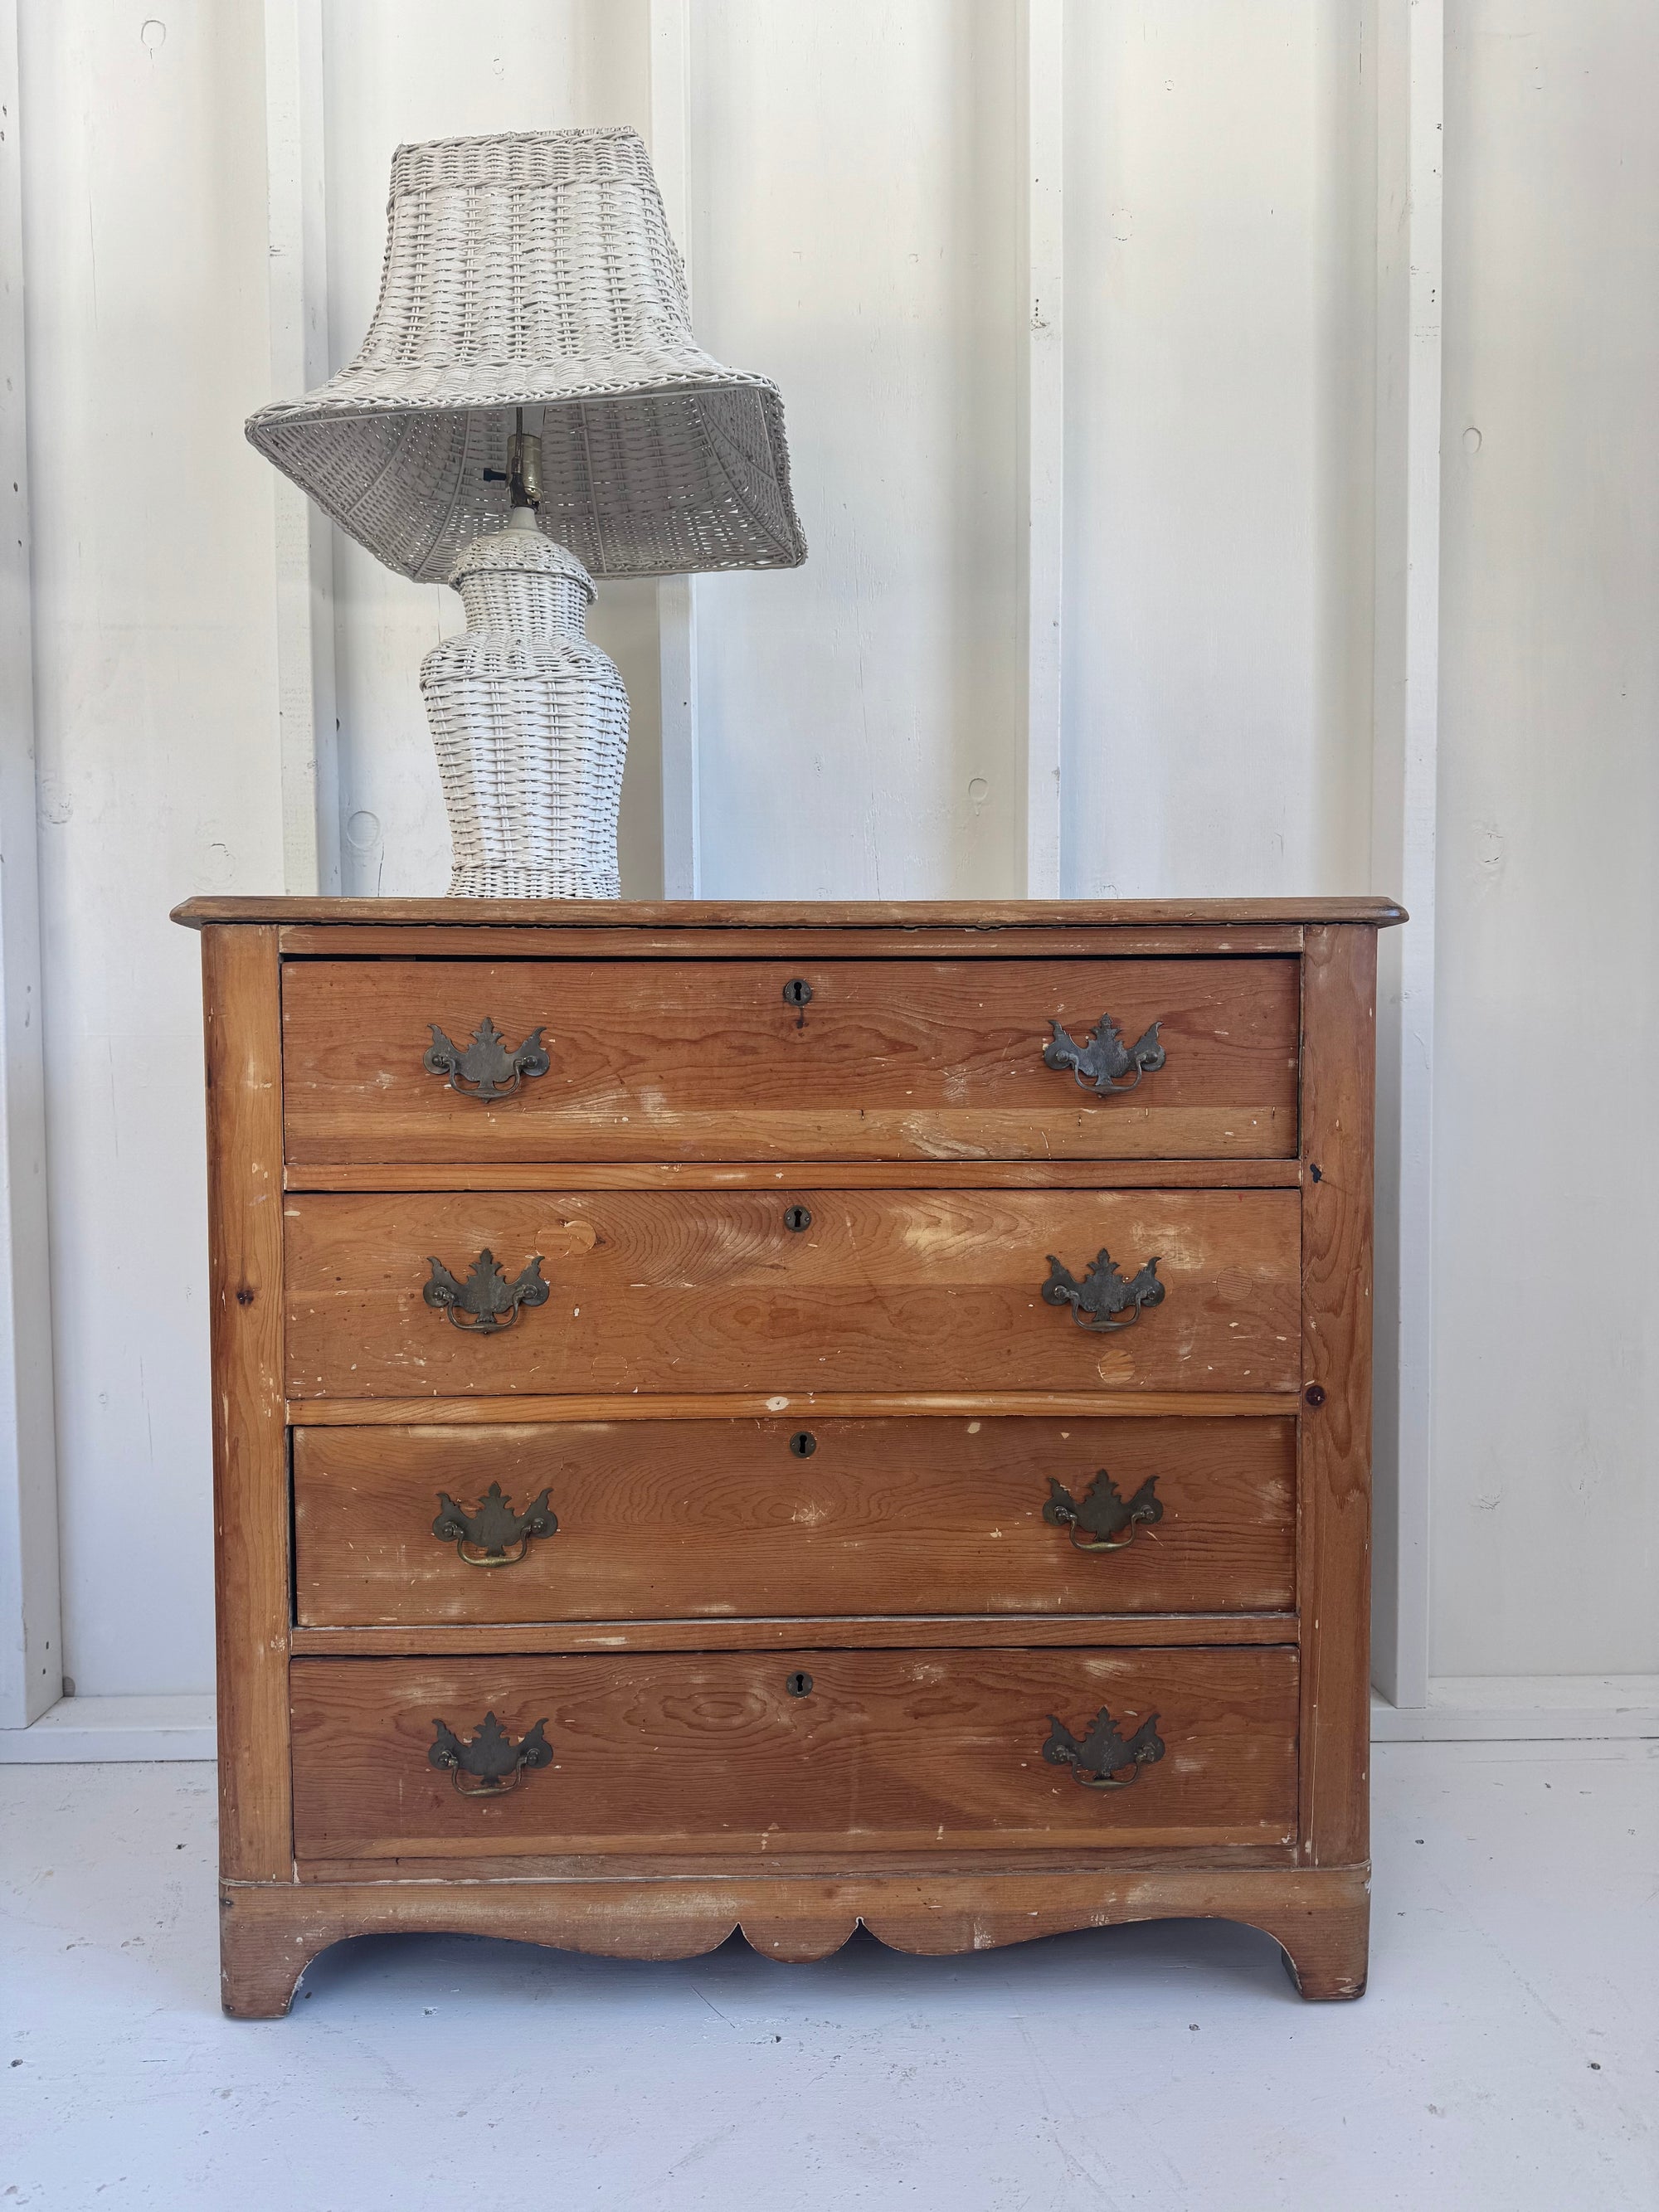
[(533, 310), (536, 270)]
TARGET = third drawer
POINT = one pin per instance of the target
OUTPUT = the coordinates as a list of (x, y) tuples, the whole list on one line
[(711, 1520)]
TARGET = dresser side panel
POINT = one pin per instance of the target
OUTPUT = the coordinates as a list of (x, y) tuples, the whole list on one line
[(243, 1030), (1338, 1107)]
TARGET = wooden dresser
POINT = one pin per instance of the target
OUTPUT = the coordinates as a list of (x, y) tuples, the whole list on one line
[(779, 1417)]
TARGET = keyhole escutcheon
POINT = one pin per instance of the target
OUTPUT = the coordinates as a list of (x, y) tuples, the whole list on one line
[(797, 1217), (800, 1684)]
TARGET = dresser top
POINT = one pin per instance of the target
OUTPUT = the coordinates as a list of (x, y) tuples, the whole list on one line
[(793, 914)]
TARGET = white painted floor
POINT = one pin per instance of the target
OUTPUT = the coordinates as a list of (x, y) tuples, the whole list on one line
[(1505, 2058)]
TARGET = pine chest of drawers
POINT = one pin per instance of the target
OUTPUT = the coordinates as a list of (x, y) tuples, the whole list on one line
[(781, 1417)]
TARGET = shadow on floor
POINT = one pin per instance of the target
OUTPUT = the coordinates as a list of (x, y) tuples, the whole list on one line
[(1204, 1956)]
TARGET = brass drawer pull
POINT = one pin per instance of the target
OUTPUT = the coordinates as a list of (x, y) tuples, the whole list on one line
[(1102, 1521), (1104, 1293), (492, 1302), (486, 1070), (493, 1534), (495, 1763), (1102, 1059), (1103, 1759)]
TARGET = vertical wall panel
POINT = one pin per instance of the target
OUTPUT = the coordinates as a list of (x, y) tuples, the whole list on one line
[(145, 213), (31, 1608), (1041, 413), (1217, 656), (1545, 1527), (1405, 66), (302, 552), (861, 719)]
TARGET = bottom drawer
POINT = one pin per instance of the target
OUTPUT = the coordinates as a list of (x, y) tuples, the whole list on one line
[(735, 1752)]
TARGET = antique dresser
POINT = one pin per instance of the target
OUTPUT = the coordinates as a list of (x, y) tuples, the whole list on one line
[(776, 1418)]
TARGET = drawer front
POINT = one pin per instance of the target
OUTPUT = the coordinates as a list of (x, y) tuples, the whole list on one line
[(711, 1060), (883, 1750), (717, 1520), (695, 1290)]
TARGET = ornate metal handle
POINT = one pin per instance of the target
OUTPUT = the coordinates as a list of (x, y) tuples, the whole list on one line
[(493, 1534), (1102, 1059), (486, 1296), (1104, 1293), (1103, 1759), (1102, 1520), (486, 1070), (492, 1759)]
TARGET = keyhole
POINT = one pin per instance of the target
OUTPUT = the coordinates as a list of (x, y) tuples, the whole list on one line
[(802, 1444), (797, 992), (799, 1684), (797, 1217)]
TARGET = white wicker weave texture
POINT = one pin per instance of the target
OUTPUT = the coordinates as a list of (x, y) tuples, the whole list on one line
[(536, 271), (531, 724)]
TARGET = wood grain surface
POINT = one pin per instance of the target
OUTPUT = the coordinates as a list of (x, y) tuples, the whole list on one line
[(1339, 1101), (1319, 1917), (663, 1521), (711, 1753), (681, 1291), (250, 1456), (690, 1334), (690, 1059)]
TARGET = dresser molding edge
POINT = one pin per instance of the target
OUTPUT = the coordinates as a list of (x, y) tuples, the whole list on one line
[(577, 916), (819, 941), (527, 1411), (805, 1633), (1232, 1174)]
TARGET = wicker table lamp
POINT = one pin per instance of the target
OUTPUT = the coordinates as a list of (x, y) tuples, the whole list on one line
[(530, 409)]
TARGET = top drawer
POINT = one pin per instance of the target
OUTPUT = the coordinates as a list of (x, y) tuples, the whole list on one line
[(760, 1059)]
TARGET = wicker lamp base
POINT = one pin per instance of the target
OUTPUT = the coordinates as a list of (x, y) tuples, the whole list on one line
[(530, 720), (488, 882)]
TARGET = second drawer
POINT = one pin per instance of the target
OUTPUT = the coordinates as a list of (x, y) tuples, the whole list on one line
[(730, 1519), (448, 1294)]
